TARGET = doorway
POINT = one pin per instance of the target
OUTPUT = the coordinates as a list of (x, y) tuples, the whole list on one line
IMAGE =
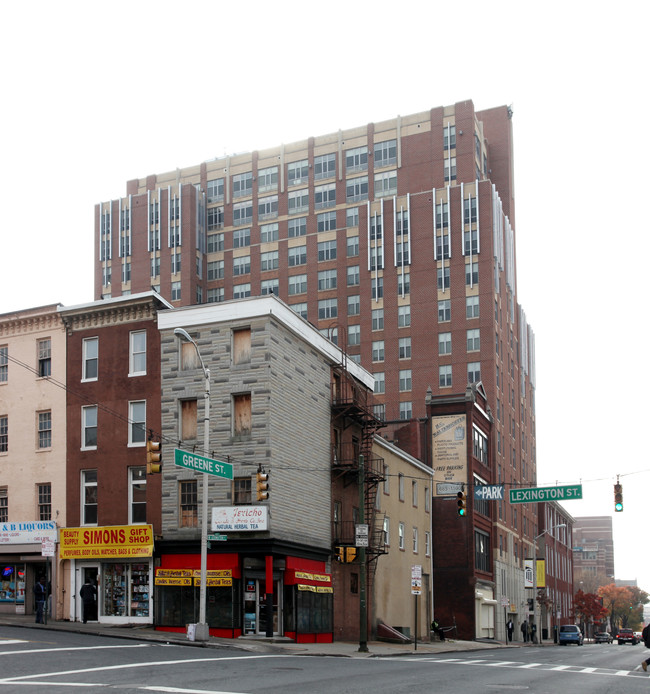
[(255, 608), (84, 573)]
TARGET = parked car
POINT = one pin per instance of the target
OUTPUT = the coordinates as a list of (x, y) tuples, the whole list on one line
[(626, 636), (603, 637), (570, 633)]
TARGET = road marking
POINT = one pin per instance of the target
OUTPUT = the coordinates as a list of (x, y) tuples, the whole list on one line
[(68, 648), (177, 690), (9, 642)]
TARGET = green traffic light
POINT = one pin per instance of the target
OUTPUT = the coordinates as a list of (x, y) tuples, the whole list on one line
[(618, 506)]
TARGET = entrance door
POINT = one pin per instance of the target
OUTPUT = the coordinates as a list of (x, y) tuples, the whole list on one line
[(255, 608), (83, 574)]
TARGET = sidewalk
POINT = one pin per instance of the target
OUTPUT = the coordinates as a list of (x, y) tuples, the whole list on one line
[(281, 646)]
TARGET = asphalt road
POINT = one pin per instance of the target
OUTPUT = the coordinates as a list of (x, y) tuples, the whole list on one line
[(67, 662)]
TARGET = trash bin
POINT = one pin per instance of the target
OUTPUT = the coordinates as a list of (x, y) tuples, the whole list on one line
[(191, 632)]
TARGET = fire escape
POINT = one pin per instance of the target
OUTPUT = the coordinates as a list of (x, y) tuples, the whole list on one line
[(354, 418)]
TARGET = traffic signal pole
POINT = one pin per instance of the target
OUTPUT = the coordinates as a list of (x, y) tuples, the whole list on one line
[(363, 605)]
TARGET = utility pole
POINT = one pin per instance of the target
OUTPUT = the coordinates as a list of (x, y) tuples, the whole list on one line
[(363, 606)]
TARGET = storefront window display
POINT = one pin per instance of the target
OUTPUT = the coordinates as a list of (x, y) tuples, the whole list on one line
[(12, 583), (125, 590)]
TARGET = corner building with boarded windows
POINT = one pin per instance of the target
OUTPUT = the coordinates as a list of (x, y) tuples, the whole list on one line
[(396, 239)]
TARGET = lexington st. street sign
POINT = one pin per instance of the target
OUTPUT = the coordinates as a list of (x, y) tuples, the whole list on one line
[(201, 464), (536, 494)]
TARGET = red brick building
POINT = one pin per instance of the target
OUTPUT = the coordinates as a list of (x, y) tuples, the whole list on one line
[(396, 239)]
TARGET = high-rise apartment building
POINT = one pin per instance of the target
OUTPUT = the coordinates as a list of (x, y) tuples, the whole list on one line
[(396, 239)]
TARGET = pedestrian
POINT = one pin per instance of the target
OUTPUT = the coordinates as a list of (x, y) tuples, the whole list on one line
[(435, 626), (510, 626), (645, 635), (88, 595), (40, 596), (533, 632), (524, 631)]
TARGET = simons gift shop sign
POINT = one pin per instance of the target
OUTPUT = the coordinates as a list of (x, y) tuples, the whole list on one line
[(116, 541)]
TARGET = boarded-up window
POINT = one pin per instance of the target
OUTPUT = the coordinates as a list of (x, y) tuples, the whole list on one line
[(242, 490), (189, 508), (188, 419), (241, 346), (242, 414), (189, 356)]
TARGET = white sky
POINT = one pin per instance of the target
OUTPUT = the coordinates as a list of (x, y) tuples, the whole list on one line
[(95, 94)]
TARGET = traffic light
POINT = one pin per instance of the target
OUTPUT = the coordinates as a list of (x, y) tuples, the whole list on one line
[(462, 503), (154, 457), (262, 485), (618, 497), (346, 555)]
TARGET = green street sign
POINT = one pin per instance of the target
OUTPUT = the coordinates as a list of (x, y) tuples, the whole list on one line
[(535, 494), (217, 538), (201, 464)]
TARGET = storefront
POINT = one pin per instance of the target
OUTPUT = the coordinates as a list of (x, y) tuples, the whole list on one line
[(117, 560), (23, 562), (236, 596)]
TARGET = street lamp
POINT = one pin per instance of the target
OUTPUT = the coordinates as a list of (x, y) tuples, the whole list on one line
[(561, 525), (202, 632)]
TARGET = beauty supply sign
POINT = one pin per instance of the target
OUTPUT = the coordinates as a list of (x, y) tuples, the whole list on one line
[(27, 533), (240, 518), (449, 446)]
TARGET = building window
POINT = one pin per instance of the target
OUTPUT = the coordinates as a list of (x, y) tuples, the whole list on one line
[(385, 183), (242, 184), (267, 179), (241, 265), (471, 307), (471, 274), (137, 423), (353, 275), (216, 294), (403, 316), (326, 251), (215, 243), (298, 201), (241, 238), (442, 276), (480, 446), (89, 426), (385, 153), (404, 282), (44, 358), (449, 136), (380, 382), (242, 490), (188, 501), (4, 363), (444, 343), (404, 347), (45, 429), (444, 376), (324, 166), (297, 227), (242, 213), (377, 288), (331, 334), (378, 319), (270, 287), (326, 280), (269, 261), (471, 242), (89, 497), (352, 217), (44, 494), (356, 189), (356, 159), (378, 350), (404, 380), (473, 340), (4, 433), (474, 372), (427, 500), (137, 495), (354, 335), (297, 255), (326, 221), (188, 419), (138, 353), (298, 172), (269, 232), (90, 351), (4, 505), (241, 291), (241, 346), (215, 218), (297, 284), (242, 414), (215, 190), (415, 540), (414, 493), (400, 486), (378, 410), (352, 246), (327, 308), (405, 410), (386, 532), (354, 305), (176, 291), (427, 543), (267, 208), (215, 270), (481, 551), (401, 536), (324, 196), (450, 169)]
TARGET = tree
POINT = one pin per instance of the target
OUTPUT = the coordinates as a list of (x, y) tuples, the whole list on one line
[(624, 604), (588, 608)]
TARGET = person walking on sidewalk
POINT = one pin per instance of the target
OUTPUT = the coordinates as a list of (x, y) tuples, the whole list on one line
[(524, 631), (88, 597), (645, 635), (40, 596), (510, 626)]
